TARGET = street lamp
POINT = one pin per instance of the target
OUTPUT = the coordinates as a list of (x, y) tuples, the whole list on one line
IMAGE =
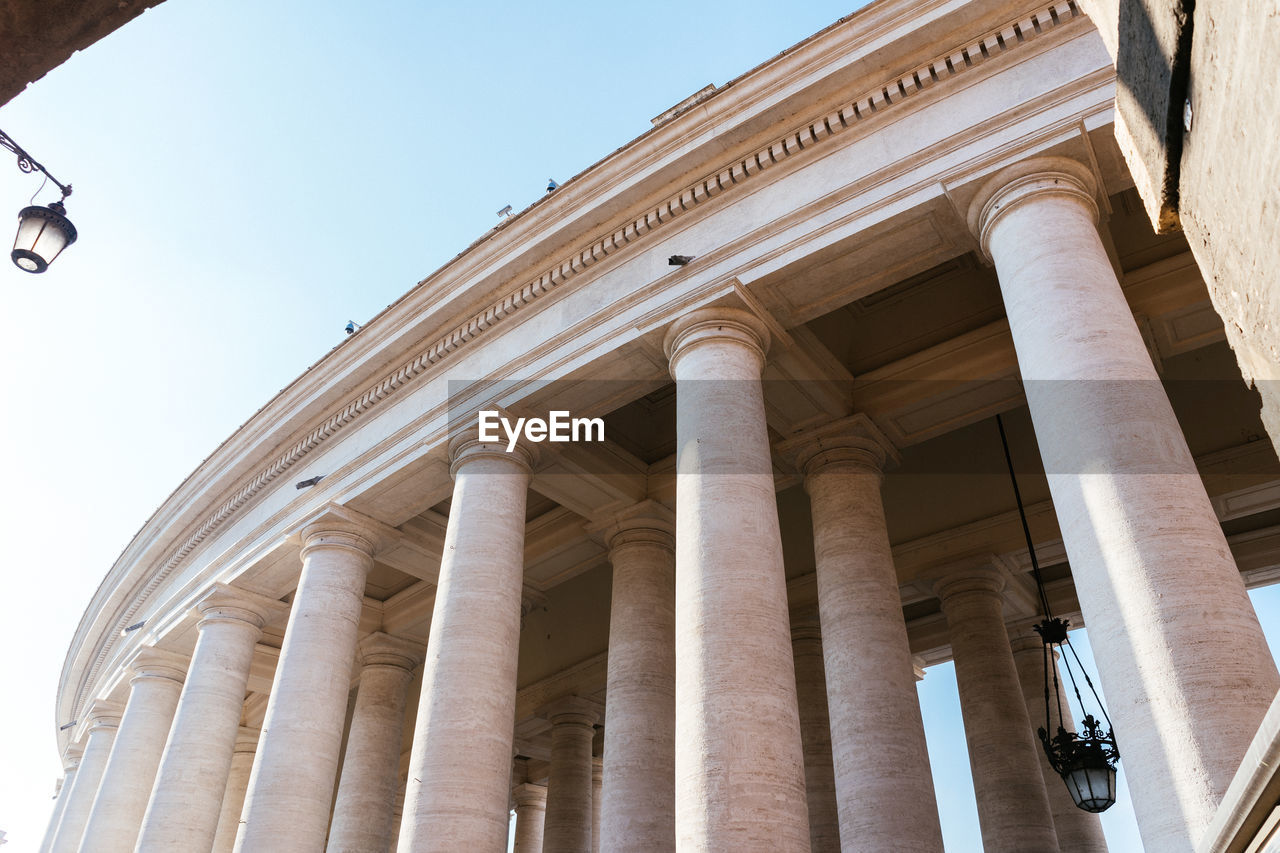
[(1086, 760), (43, 232)]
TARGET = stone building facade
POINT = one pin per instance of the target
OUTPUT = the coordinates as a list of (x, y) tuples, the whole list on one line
[(703, 632)]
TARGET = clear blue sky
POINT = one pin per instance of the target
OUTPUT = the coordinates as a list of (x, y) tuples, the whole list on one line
[(249, 176)]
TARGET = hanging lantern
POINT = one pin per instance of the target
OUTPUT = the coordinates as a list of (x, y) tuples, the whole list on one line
[(1087, 760), (43, 232), (1087, 764)]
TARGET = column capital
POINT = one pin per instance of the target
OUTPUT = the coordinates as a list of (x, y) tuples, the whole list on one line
[(722, 324), (805, 629), (917, 667), (379, 649), (337, 526), (71, 757), (151, 662), (247, 739), (854, 442), (1022, 635), (982, 574), (571, 710), (527, 794), (466, 446), (225, 603), (1038, 177), (647, 522), (101, 714)]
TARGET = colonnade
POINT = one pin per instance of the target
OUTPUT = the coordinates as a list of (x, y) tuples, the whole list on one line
[(729, 724)]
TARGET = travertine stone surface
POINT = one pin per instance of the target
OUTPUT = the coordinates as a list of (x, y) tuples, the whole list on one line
[(815, 733), (370, 772), (739, 759), (1182, 659), (103, 720), (531, 808), (224, 840), (1013, 808), (291, 787), (883, 782), (569, 800), (638, 812), (70, 765), (459, 775), (122, 797), (597, 788), (1078, 830), (187, 796), (397, 815)]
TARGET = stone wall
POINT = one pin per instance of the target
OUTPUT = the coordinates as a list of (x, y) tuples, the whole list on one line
[(1219, 181)]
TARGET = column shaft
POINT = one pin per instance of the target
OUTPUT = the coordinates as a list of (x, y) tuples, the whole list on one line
[(71, 764), (597, 797), (1181, 655), (294, 771), (569, 809), (639, 799), (739, 759), (531, 808), (362, 813), (457, 793), (116, 818), (1013, 809), (186, 799), (224, 840), (84, 788), (815, 734), (883, 782), (1078, 830)]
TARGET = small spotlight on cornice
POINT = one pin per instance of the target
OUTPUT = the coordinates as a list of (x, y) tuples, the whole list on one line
[(679, 260), (124, 632), (67, 726), (306, 484), (506, 211)]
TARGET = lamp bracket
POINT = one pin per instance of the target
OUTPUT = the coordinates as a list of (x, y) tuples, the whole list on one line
[(29, 164)]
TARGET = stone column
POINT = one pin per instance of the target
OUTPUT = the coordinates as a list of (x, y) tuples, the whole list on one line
[(291, 786), (531, 809), (736, 711), (186, 799), (1181, 656), (101, 721), (1013, 809), (815, 734), (884, 786), (397, 814), (1078, 830), (638, 812), (224, 840), (568, 821), (70, 764), (460, 770), (597, 797), (117, 813), (362, 818)]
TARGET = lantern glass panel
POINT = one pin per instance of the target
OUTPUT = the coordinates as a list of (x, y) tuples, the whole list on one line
[(1092, 788), (42, 235)]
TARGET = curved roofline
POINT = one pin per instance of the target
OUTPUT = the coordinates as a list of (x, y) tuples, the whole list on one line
[(743, 108)]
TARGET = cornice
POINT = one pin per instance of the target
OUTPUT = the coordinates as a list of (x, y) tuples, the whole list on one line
[(729, 178)]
